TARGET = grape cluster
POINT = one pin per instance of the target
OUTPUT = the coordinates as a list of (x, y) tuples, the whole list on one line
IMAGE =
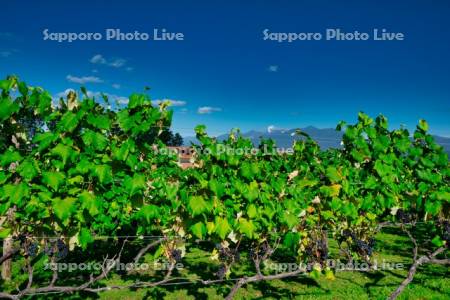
[(176, 254), (32, 249), (227, 254), (261, 250), (445, 225), (49, 249), (365, 247), (62, 249), (371, 245), (361, 246), (56, 248), (221, 272), (265, 248), (347, 233), (317, 250), (404, 217), (322, 248)]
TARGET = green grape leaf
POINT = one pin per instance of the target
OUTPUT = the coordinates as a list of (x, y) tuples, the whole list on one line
[(149, 212), (53, 179), (291, 240), (94, 139), (246, 170), (290, 219), (126, 122), (222, 227), (103, 173), (333, 174), (6, 84), (63, 151), (136, 100), (5, 232), (246, 227), (99, 121), (135, 184), (217, 187), (252, 191), (199, 230), (45, 140), (423, 125), (90, 202), (69, 121), (16, 192), (85, 237), (28, 169), (63, 208), (7, 108), (197, 205), (252, 211), (9, 156)]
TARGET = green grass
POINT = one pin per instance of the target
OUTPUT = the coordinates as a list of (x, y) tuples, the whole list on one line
[(430, 282)]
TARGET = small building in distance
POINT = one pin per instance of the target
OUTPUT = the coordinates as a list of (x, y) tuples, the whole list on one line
[(185, 156)]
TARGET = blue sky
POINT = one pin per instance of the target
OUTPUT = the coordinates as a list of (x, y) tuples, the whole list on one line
[(225, 75)]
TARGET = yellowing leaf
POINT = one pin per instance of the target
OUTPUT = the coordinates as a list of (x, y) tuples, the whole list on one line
[(335, 188)]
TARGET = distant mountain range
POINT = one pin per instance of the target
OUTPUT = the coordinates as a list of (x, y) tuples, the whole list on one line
[(326, 137)]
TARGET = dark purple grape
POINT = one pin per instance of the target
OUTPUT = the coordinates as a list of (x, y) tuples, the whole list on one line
[(32, 249), (264, 248), (365, 248), (176, 254), (403, 216), (446, 231), (62, 249), (323, 250), (221, 272), (48, 250), (348, 233), (223, 254)]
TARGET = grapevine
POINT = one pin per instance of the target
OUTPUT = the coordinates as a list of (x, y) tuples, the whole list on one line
[(80, 172)]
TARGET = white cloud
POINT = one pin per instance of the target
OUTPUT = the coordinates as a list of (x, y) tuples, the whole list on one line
[(116, 86), (117, 63), (273, 68), (208, 110), (94, 71), (91, 94), (120, 99), (172, 102), (129, 69), (272, 128), (84, 79), (111, 97), (98, 59)]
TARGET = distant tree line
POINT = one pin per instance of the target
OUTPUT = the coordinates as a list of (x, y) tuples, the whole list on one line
[(171, 139)]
